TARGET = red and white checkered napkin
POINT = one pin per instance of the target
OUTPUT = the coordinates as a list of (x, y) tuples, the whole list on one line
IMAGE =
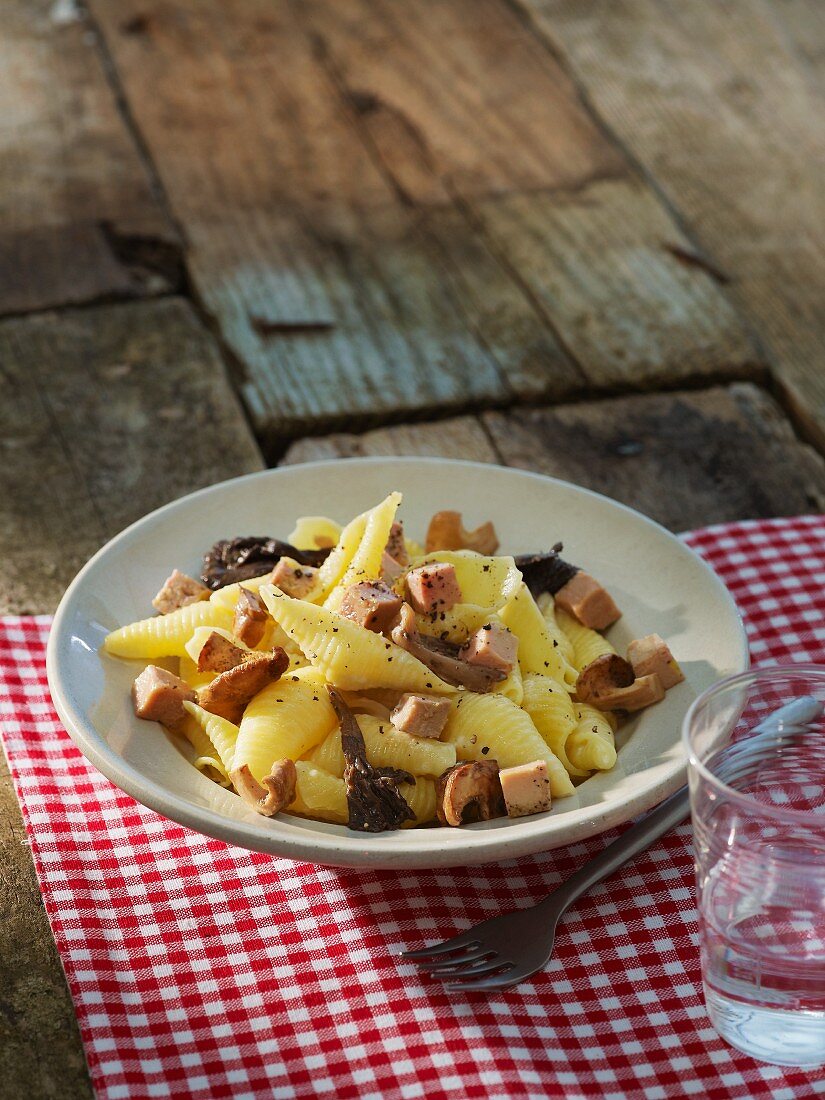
[(202, 970)]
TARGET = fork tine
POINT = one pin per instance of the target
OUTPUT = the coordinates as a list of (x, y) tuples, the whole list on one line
[(464, 939), (509, 978), (455, 963), (477, 969)]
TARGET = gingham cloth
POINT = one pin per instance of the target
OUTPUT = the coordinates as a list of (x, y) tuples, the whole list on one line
[(202, 970)]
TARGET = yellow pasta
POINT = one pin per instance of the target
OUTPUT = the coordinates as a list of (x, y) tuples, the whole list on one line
[(386, 748), (222, 733), (284, 721), (365, 563), (553, 714), (228, 595), (591, 746), (188, 671), (547, 607), (199, 636), (165, 635), (319, 795), (487, 584), (491, 727), (206, 759), (587, 644), (420, 797), (512, 687), (349, 656), (313, 532), (538, 652)]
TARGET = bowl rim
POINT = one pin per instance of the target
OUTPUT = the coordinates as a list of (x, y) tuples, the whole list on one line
[(473, 843)]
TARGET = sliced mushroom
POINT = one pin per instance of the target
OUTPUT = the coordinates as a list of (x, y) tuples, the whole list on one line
[(442, 657), (446, 532), (469, 792), (250, 619), (230, 692), (609, 683), (273, 794)]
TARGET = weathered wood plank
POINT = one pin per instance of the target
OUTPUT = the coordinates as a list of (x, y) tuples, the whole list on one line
[(344, 177), (714, 102), (687, 458), (460, 437), (603, 265), (106, 414), (78, 220)]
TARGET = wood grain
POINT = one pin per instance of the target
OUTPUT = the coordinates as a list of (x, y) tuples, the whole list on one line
[(722, 105), (78, 220), (459, 437), (107, 414), (359, 189), (686, 459)]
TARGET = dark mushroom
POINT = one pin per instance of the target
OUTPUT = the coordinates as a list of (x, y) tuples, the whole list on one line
[(240, 559), (469, 792), (441, 657), (374, 801), (545, 572)]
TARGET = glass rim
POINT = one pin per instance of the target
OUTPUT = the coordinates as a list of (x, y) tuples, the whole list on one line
[(802, 668)]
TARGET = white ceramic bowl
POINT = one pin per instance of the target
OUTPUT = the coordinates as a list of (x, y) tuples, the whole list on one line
[(658, 582)]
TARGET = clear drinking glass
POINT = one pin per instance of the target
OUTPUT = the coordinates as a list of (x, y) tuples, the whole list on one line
[(756, 750)]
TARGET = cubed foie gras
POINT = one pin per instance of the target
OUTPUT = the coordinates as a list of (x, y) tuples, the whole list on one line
[(433, 587), (585, 599), (372, 604), (294, 579), (179, 590), (526, 788), (391, 569), (492, 646), (219, 654), (651, 655), (250, 619), (420, 715), (158, 696)]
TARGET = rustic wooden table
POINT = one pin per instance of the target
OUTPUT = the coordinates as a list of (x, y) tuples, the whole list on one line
[(578, 236)]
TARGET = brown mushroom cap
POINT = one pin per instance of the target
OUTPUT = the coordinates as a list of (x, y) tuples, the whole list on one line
[(601, 678), (446, 532), (273, 794), (469, 792)]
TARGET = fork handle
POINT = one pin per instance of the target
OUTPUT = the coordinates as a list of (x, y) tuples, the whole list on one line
[(634, 840)]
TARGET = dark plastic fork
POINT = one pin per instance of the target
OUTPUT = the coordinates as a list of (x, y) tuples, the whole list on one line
[(505, 950)]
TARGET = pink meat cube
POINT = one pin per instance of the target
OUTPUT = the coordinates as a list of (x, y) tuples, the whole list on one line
[(293, 579), (433, 587), (492, 646), (391, 569), (421, 715), (158, 696), (179, 590), (526, 789), (651, 656), (372, 604), (585, 599)]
